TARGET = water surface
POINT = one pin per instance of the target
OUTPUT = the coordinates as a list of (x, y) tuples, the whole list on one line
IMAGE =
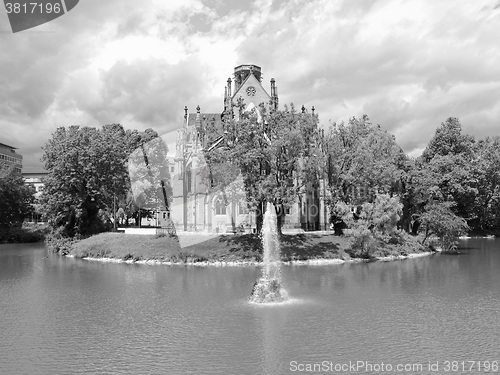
[(70, 316)]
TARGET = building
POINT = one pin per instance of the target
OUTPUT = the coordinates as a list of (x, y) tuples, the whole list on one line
[(10, 158), (193, 207), (34, 177)]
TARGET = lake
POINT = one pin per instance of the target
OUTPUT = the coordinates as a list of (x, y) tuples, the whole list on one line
[(69, 316)]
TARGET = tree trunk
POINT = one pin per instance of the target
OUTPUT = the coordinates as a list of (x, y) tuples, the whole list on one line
[(415, 226)]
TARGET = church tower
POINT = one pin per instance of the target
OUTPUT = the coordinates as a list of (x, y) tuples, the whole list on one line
[(248, 86), (201, 209)]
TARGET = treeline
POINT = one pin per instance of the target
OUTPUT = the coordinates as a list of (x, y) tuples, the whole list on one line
[(370, 185), (456, 176), (284, 155), (16, 203), (451, 189)]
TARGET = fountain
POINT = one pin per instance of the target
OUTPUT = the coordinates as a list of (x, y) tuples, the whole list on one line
[(268, 288)]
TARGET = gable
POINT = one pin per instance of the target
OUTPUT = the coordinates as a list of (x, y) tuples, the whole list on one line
[(252, 92)]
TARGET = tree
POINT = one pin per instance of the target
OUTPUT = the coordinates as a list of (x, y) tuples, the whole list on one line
[(449, 140), (361, 160), (221, 174), (274, 151), (447, 178), (415, 190), (87, 172), (16, 199), (371, 223), (439, 220), (149, 175), (486, 174)]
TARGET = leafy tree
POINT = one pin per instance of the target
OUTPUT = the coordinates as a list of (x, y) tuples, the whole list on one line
[(361, 160), (446, 171), (371, 223), (439, 220), (87, 172), (486, 174), (413, 195), (221, 174), (449, 140), (16, 199), (274, 150), (149, 175)]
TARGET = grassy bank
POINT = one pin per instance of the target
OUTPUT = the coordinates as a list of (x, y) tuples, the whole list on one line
[(230, 248)]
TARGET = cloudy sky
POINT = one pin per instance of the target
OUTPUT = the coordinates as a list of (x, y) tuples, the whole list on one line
[(408, 64)]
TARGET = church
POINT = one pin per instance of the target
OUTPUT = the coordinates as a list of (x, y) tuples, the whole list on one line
[(194, 207)]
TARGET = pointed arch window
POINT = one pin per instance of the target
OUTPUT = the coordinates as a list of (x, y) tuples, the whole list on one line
[(220, 207), (242, 208)]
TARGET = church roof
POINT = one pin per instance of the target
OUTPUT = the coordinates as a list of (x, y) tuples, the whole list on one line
[(205, 118)]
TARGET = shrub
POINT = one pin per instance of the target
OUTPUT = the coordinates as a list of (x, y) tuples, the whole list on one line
[(58, 244), (363, 243), (441, 221), (25, 233), (372, 224), (128, 256)]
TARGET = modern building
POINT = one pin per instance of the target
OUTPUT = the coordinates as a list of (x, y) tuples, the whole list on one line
[(194, 207), (10, 158)]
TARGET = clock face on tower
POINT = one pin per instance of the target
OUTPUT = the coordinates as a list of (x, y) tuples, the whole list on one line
[(251, 91)]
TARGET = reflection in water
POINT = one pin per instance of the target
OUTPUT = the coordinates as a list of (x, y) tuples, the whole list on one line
[(271, 330), (69, 316)]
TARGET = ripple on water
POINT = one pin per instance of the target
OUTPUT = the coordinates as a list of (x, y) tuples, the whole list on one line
[(60, 316)]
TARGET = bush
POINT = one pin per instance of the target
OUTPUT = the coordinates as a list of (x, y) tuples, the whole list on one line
[(371, 225), (59, 244), (128, 256), (399, 237), (363, 243), (25, 233), (441, 221)]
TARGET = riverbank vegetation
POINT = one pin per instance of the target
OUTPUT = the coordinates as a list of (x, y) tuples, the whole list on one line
[(24, 233), (225, 248), (379, 198), (16, 204)]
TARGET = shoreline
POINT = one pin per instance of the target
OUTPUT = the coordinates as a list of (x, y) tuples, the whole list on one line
[(308, 262), (242, 250)]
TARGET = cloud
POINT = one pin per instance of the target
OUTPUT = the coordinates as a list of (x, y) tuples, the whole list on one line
[(150, 92), (408, 65)]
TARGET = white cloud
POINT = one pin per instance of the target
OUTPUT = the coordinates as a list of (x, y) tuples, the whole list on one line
[(408, 64)]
